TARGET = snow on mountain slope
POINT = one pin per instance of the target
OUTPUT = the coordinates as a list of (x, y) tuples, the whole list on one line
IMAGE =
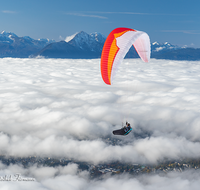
[(83, 45), (156, 47), (10, 37), (13, 46), (93, 42)]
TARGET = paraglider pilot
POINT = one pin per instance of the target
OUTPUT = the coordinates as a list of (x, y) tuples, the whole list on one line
[(127, 127), (124, 130)]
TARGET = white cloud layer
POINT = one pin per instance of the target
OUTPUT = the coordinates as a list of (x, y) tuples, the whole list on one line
[(61, 108), (70, 178)]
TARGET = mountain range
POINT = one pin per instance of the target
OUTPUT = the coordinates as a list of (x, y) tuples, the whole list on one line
[(82, 46), (13, 46)]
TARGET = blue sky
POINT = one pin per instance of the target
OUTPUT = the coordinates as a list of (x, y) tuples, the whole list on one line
[(174, 21)]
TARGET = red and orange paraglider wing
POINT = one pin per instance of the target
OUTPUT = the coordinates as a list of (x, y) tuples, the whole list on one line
[(117, 45), (109, 52)]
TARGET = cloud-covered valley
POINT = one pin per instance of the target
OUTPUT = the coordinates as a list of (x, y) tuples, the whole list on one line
[(61, 108), (69, 177)]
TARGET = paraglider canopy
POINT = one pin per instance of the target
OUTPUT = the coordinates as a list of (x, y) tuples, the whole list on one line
[(116, 46)]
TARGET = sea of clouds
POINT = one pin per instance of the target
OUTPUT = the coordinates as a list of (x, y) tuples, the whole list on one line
[(62, 108), (70, 178)]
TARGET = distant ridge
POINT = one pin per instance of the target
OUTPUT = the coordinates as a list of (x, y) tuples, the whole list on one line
[(83, 46), (13, 46)]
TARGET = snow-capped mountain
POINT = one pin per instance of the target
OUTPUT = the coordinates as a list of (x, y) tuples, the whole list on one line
[(174, 52), (79, 45), (84, 46), (13, 46), (93, 42), (156, 47)]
